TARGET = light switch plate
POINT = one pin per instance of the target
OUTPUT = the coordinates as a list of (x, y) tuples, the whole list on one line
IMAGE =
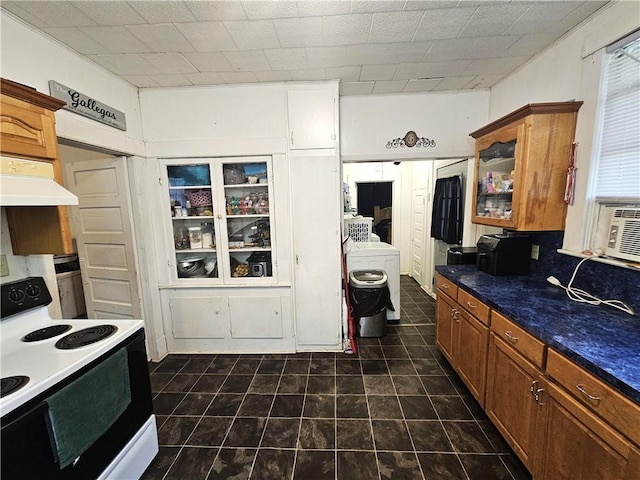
[(535, 251), (4, 266)]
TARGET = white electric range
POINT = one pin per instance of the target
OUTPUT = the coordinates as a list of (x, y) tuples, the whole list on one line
[(40, 357)]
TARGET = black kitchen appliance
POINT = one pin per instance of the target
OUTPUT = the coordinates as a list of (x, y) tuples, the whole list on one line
[(260, 264), (504, 254), (462, 255)]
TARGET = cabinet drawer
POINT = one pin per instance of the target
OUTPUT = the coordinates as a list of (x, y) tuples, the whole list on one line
[(474, 306), (613, 407), (521, 341), (447, 286)]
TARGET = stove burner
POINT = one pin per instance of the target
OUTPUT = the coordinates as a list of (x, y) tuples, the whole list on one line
[(45, 333), (11, 384), (86, 336)]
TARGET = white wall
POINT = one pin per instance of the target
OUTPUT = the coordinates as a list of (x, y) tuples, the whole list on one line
[(571, 70), (30, 58), (367, 123)]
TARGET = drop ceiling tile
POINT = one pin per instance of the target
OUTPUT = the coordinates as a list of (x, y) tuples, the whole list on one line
[(141, 81), (163, 37), (110, 13), (453, 83), (308, 75), (358, 6), (529, 45), (371, 54), (443, 23), (163, 12), (253, 35), (271, 76), (239, 77), (116, 39), (394, 27), (307, 8), (125, 64), (287, 58), (57, 14), (216, 10), (169, 63), (394, 86), (414, 85), (449, 49), (174, 80), (356, 88), (583, 11), (428, 70), (407, 52), (209, 61), (77, 40), (490, 47), (485, 81), (346, 74), (346, 29), (204, 78), (494, 66), (299, 32), (16, 9), (326, 57), (493, 19), (260, 10), (207, 36), (426, 4), (377, 72), (248, 60)]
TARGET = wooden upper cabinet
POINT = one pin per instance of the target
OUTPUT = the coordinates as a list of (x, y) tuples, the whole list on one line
[(521, 163), (27, 130)]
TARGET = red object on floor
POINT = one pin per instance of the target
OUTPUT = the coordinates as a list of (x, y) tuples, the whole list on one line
[(350, 320)]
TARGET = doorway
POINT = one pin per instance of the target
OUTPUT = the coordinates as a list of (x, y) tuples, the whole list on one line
[(375, 200)]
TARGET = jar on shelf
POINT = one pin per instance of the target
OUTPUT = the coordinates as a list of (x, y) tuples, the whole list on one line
[(195, 237), (207, 235)]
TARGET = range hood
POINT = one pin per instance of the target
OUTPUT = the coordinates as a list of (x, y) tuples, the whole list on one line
[(26, 183)]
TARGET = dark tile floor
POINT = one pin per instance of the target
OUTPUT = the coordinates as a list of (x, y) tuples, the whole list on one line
[(396, 410)]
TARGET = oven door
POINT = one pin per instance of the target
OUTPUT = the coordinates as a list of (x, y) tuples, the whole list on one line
[(27, 452)]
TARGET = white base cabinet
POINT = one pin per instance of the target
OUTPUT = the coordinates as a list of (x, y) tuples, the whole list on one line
[(217, 320)]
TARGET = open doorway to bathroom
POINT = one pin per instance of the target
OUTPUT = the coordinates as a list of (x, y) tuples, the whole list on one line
[(375, 201)]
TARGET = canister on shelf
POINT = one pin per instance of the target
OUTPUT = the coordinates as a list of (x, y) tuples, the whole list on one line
[(195, 237), (207, 235)]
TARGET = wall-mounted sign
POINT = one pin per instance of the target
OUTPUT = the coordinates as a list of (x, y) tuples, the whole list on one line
[(411, 140), (87, 106)]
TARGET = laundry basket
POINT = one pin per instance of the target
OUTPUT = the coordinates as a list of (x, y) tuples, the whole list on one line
[(359, 228)]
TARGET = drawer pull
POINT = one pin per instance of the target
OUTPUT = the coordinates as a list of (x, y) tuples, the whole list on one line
[(471, 305), (444, 286), (511, 338), (581, 389), (533, 386), (538, 396)]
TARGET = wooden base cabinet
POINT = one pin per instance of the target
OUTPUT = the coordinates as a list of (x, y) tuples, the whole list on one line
[(463, 340), (577, 445)]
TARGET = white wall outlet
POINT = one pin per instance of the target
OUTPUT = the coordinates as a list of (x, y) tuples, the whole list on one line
[(4, 266), (535, 251)]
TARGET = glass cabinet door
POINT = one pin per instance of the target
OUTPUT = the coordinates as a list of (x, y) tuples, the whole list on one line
[(248, 218), (495, 176), (191, 197)]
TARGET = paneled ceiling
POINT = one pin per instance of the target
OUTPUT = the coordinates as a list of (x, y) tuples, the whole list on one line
[(373, 47)]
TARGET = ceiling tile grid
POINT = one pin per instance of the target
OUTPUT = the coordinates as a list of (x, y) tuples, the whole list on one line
[(372, 46)]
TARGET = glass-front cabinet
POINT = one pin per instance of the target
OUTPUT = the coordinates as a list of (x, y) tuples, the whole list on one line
[(496, 172), (220, 220)]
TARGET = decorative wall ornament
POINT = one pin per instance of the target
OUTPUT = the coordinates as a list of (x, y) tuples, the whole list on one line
[(411, 140)]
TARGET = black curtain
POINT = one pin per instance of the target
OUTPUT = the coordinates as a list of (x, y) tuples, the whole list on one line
[(446, 217)]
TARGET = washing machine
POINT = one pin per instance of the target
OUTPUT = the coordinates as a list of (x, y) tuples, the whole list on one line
[(378, 256)]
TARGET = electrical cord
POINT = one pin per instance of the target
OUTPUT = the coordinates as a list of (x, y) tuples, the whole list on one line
[(578, 295)]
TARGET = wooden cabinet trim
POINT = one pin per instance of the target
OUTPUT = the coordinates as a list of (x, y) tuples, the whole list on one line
[(30, 95), (532, 108), (447, 287)]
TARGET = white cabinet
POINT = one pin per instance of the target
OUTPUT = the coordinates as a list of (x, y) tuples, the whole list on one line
[(198, 316), (312, 118), (219, 221)]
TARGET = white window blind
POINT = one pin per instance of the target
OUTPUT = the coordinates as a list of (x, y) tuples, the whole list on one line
[(618, 174)]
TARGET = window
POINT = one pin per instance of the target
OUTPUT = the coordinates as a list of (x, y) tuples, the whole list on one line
[(618, 173)]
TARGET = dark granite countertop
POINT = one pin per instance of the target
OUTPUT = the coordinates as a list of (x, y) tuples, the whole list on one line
[(601, 339)]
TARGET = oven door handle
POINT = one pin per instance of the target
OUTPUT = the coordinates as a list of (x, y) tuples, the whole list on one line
[(40, 408)]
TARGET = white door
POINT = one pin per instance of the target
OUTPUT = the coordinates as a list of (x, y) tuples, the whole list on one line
[(418, 234), (104, 234)]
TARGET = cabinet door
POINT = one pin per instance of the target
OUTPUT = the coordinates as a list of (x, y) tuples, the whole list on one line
[(445, 313), (311, 119), (510, 403), (198, 317), (579, 446), (257, 317), (471, 344)]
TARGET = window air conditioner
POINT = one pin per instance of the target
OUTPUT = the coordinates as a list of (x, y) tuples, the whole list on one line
[(624, 234)]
